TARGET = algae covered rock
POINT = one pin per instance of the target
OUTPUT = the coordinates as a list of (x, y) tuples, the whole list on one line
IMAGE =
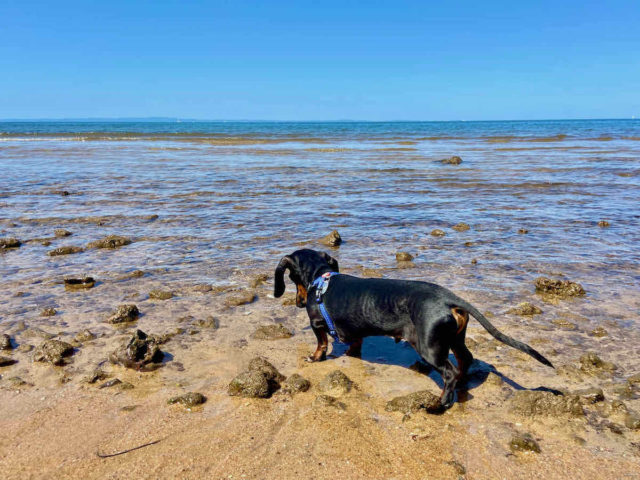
[(454, 160), (9, 242), (324, 401), (332, 239), (559, 288), (84, 283), (124, 313), (68, 250), (252, 384), (160, 294), (140, 351), (272, 332), (84, 336), (525, 309), (295, 384), (592, 364), (48, 312), (257, 280), (404, 257), (190, 399), (61, 233), (53, 351), (461, 227), (263, 366), (436, 232), (590, 395), (422, 400), (5, 342), (242, 298), (336, 383), (523, 442), (598, 332), (535, 402), (111, 242)]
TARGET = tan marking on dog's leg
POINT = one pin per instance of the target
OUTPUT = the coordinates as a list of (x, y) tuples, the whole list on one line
[(321, 349), (462, 318)]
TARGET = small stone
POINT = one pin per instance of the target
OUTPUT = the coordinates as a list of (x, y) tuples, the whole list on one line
[(455, 160), (523, 231), (53, 351), (336, 382), (590, 395), (124, 313), (190, 399), (461, 227), (79, 283), (436, 232), (564, 324), (332, 239), (474, 261), (111, 383), (129, 408), (209, 322), (242, 298), (523, 442), (295, 384), (6, 361), (45, 243), (160, 294), (258, 280), (632, 421), (61, 232), (96, 375), (623, 390), (84, 336), (9, 242), (5, 342), (414, 402), (328, 401), (525, 309), (140, 351), (111, 242), (48, 312), (598, 332), (592, 364), (634, 379), (603, 224), (252, 384), (272, 332), (68, 250), (404, 257), (17, 382), (561, 288), (261, 365)]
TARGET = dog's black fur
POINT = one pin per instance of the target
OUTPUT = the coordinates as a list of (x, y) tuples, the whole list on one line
[(430, 317)]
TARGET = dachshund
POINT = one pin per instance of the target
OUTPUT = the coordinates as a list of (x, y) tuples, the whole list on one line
[(430, 317)]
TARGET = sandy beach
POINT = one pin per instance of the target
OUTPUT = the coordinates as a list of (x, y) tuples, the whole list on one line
[(203, 237)]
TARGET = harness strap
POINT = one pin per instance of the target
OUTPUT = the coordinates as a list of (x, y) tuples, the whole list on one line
[(322, 283)]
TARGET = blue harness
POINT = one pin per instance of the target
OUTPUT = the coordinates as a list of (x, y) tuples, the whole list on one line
[(322, 283)]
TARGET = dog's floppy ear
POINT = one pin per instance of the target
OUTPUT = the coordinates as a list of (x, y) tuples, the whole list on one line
[(285, 263), (333, 263)]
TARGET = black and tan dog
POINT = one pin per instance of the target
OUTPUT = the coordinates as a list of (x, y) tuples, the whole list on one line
[(430, 317)]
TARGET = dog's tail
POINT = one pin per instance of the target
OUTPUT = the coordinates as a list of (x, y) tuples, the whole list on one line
[(498, 335)]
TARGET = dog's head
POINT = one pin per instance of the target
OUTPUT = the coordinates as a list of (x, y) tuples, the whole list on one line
[(304, 267)]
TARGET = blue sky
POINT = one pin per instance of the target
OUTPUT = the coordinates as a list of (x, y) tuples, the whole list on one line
[(320, 60)]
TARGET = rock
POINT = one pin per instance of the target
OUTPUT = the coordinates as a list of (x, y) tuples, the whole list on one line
[(272, 332), (523, 442), (261, 365), (6, 361), (251, 384), (623, 390), (632, 421), (190, 399), (124, 313), (422, 400), (598, 332), (79, 283), (324, 401), (366, 272), (258, 280), (17, 382), (141, 350), (336, 383), (202, 288), (603, 224), (209, 322), (84, 336), (523, 231), (461, 227), (436, 232), (455, 160), (53, 351), (111, 383), (242, 298), (68, 250), (564, 324), (61, 232), (560, 288), (45, 243), (590, 395), (111, 241), (525, 308), (610, 408), (9, 242), (295, 384), (160, 294), (5, 342), (474, 261), (333, 239), (632, 380), (404, 257), (96, 375), (48, 312), (592, 364), (535, 402)]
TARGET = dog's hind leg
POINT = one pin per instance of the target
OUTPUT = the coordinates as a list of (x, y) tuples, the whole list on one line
[(460, 350), (323, 344), (355, 348)]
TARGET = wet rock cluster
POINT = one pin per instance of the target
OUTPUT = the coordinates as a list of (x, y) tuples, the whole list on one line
[(10, 242), (559, 288), (534, 402), (260, 380), (525, 309), (414, 402), (124, 313), (332, 239), (454, 160), (190, 399), (141, 352), (53, 351), (110, 242), (67, 250)]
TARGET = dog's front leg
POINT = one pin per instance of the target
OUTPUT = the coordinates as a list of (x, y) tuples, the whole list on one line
[(323, 343)]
